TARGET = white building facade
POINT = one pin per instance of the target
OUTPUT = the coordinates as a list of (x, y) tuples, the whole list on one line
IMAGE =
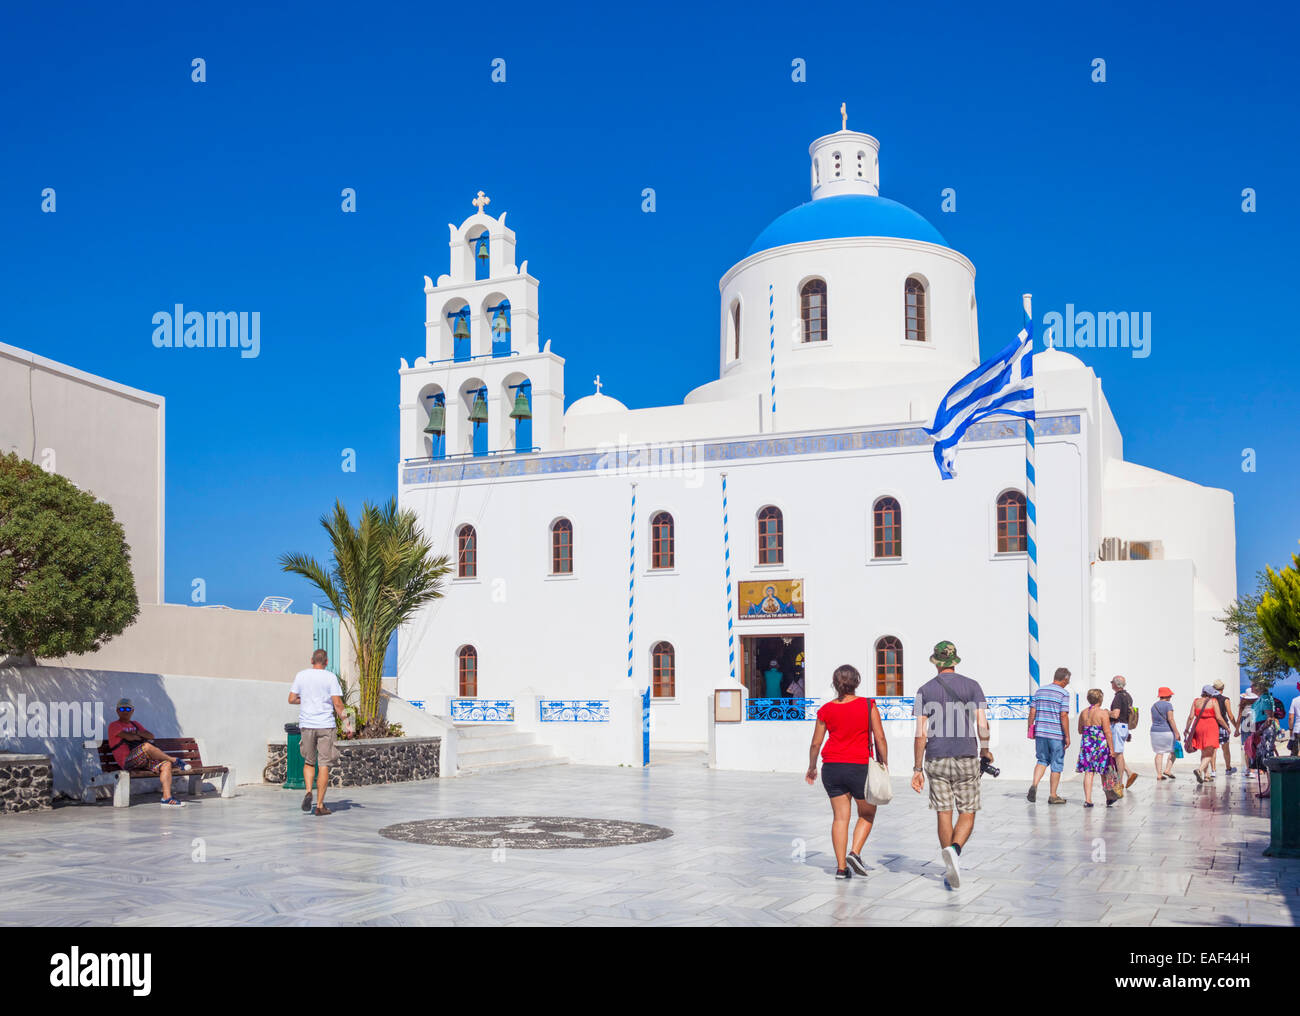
[(838, 333)]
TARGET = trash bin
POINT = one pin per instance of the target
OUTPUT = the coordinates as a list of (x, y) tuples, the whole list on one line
[(293, 757), (1284, 799)]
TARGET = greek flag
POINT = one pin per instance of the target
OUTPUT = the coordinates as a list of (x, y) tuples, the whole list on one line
[(1004, 384)]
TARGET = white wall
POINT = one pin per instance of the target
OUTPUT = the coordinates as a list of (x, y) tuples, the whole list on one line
[(169, 638), (232, 720), (1145, 632), (567, 637), (104, 437)]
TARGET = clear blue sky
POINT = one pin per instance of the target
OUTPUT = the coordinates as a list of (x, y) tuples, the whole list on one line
[(225, 196)]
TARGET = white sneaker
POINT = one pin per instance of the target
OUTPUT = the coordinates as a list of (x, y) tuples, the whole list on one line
[(952, 866)]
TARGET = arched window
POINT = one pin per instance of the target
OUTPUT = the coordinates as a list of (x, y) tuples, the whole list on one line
[(887, 528), (771, 536), (466, 553), (812, 307), (735, 330), (1012, 535), (914, 298), (662, 553), (562, 548), (817, 173), (664, 660), (467, 672), (482, 256), (889, 666)]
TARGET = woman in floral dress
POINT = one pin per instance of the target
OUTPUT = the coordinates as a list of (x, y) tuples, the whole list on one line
[(1096, 745)]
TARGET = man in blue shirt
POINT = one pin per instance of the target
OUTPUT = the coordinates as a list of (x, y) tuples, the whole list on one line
[(772, 678), (1049, 725)]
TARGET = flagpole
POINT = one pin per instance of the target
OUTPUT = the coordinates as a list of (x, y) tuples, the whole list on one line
[(726, 558), (631, 585), (771, 350), (1031, 516)]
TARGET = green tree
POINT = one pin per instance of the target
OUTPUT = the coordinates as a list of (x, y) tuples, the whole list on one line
[(65, 570), (1255, 655), (383, 570), (1279, 613)]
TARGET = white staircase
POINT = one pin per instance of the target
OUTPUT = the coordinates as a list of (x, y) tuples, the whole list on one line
[(487, 748)]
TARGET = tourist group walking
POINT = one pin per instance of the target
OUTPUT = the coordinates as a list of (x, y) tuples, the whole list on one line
[(950, 752), (951, 748)]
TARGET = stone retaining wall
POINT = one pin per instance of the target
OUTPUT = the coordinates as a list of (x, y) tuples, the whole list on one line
[(368, 762), (26, 783)]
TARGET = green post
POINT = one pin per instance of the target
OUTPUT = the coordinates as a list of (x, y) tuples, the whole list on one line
[(1284, 799), (293, 759)]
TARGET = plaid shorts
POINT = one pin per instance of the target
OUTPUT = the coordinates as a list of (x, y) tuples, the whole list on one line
[(137, 759), (954, 783)]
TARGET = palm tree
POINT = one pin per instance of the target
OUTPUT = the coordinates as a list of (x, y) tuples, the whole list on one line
[(382, 573)]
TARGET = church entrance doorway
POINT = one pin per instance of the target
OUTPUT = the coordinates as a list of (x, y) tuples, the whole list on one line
[(763, 653)]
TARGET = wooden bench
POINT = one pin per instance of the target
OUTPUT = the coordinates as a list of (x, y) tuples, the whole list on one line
[(183, 749)]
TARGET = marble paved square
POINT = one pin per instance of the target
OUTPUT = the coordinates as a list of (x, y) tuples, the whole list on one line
[(746, 848)]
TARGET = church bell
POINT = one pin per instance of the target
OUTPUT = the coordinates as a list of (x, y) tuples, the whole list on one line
[(501, 324), (479, 413), (521, 410), (461, 330), (437, 419), (482, 251)]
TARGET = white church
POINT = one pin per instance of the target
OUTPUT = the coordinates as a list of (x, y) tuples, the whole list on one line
[(838, 332)]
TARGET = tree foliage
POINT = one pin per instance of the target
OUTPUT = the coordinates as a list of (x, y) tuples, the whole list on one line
[(65, 570), (1255, 654), (1279, 613), (383, 570)]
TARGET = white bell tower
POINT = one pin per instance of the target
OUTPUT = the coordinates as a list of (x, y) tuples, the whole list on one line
[(500, 392), (846, 162)]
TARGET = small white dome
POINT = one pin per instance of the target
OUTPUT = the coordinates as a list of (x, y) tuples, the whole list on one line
[(1056, 359), (594, 405)]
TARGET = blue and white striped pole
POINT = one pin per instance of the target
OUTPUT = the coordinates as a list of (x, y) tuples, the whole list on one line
[(771, 351), (1031, 511), (726, 558), (631, 584)]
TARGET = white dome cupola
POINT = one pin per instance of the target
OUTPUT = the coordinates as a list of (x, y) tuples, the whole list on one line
[(846, 162)]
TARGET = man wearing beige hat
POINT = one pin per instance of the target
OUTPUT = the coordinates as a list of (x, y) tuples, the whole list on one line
[(1225, 736), (1123, 717)]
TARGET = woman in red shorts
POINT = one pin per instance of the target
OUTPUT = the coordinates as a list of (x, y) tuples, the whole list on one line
[(851, 723)]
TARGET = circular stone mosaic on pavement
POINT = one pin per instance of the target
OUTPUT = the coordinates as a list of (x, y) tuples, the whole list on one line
[(525, 832)]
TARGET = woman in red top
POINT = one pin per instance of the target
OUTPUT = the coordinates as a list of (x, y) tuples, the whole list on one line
[(851, 722)]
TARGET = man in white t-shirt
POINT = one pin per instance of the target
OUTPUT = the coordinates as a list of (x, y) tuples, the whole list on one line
[(1293, 721), (319, 699)]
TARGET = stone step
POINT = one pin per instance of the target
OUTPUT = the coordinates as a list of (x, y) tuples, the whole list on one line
[(522, 752), (477, 731), (499, 739), (486, 768)]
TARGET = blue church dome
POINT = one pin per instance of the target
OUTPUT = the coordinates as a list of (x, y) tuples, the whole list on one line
[(846, 215)]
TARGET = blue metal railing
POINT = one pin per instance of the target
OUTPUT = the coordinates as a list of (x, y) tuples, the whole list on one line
[(476, 356), (892, 707), (778, 708), (470, 455)]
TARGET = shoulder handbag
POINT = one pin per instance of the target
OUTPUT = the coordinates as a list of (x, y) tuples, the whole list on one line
[(878, 789)]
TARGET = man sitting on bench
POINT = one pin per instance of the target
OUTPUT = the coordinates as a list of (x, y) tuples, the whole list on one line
[(129, 742)]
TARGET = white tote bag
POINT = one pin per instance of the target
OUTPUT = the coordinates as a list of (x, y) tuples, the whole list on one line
[(878, 789)]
